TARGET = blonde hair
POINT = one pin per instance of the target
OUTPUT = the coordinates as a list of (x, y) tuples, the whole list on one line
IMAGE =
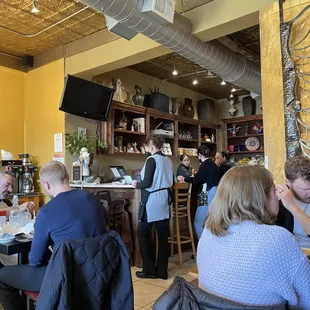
[(242, 195), (54, 173)]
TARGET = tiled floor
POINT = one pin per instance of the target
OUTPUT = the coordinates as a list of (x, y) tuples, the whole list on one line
[(146, 291)]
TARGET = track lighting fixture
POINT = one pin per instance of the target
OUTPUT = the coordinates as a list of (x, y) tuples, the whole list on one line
[(34, 7), (174, 72), (195, 81), (233, 89), (231, 96), (223, 83)]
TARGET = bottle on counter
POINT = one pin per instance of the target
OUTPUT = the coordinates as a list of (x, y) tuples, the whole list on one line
[(15, 217)]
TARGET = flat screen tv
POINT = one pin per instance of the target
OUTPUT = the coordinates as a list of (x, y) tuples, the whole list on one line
[(87, 99)]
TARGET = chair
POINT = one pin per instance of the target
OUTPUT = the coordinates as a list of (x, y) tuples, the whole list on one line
[(181, 209), (31, 299), (119, 219), (98, 272)]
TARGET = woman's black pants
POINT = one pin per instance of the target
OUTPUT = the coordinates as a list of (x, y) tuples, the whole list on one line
[(151, 265)]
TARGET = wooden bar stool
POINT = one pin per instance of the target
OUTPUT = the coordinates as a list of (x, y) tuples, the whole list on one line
[(181, 209)]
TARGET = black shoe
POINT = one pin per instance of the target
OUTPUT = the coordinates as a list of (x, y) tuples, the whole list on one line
[(142, 275), (163, 277)]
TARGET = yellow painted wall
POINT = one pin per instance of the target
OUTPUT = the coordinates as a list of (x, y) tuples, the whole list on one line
[(43, 89), (272, 85), (12, 89)]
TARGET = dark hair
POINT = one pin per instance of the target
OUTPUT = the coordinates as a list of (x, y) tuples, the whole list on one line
[(298, 167), (224, 154), (183, 156), (157, 141), (204, 151)]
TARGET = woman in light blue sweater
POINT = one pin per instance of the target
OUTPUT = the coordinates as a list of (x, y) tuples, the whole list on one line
[(241, 255)]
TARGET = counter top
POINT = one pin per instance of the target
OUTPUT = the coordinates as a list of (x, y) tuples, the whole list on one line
[(20, 195), (103, 185)]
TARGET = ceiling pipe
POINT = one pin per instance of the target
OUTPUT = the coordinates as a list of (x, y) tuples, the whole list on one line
[(231, 67)]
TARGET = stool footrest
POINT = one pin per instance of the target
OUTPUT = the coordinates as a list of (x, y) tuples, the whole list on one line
[(183, 239), (33, 295)]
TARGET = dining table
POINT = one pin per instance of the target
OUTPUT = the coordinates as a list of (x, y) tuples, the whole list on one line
[(21, 247)]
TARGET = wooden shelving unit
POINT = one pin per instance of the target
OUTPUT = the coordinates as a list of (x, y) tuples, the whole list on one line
[(152, 118), (129, 132), (246, 136), (246, 131), (247, 152)]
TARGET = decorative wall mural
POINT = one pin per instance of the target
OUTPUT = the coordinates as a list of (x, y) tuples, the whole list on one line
[(296, 80)]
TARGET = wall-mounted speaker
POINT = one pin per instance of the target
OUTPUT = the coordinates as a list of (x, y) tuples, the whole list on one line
[(28, 61)]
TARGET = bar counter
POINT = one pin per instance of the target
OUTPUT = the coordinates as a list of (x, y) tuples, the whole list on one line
[(121, 191)]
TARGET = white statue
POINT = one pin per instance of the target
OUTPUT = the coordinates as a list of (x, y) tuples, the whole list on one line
[(84, 160), (232, 111), (119, 91)]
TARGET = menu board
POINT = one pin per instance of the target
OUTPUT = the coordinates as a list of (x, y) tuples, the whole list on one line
[(77, 173)]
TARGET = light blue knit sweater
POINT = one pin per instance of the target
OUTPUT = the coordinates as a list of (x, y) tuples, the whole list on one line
[(255, 264)]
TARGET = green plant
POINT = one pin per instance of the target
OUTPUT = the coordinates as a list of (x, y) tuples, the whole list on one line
[(74, 143)]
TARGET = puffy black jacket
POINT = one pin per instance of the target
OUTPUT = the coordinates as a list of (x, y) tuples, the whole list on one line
[(92, 274), (182, 295)]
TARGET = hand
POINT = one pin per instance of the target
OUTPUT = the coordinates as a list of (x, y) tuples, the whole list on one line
[(217, 163), (134, 183), (28, 205), (284, 194), (180, 178)]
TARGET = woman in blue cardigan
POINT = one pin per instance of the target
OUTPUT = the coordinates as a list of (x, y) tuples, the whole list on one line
[(241, 255)]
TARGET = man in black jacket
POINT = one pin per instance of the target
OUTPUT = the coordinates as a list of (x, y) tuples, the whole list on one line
[(295, 200)]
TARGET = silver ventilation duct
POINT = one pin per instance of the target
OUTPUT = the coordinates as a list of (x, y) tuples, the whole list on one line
[(214, 56)]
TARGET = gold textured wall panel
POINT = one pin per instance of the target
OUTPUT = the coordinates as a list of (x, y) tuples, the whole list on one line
[(272, 83)]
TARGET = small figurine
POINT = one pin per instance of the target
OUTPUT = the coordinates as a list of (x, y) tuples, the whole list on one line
[(206, 137), (232, 111), (123, 123), (135, 149), (138, 99), (212, 138), (132, 127), (234, 129), (118, 96), (120, 144), (84, 161), (258, 128), (130, 148)]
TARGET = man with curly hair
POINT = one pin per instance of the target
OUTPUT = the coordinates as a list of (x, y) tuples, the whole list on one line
[(295, 196)]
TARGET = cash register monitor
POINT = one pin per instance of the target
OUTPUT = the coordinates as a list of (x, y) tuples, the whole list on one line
[(118, 172)]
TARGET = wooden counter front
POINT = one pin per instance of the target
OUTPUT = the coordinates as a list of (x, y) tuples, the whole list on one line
[(121, 192), (30, 197)]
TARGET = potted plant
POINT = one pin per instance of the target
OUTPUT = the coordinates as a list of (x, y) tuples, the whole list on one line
[(74, 142)]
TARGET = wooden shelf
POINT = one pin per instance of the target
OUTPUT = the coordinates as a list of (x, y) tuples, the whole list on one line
[(130, 154), (247, 136), (130, 132), (189, 140), (152, 117), (242, 119), (247, 152), (206, 142)]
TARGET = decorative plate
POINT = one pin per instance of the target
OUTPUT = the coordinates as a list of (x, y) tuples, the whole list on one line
[(252, 144)]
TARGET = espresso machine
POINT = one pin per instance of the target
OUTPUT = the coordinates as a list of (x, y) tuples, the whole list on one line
[(24, 172)]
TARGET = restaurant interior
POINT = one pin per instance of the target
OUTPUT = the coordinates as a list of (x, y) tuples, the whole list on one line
[(46, 45)]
